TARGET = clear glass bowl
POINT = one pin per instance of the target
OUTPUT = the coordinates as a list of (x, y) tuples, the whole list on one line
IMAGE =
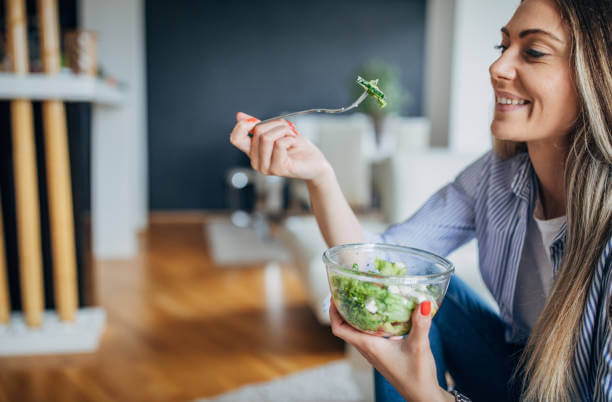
[(379, 304)]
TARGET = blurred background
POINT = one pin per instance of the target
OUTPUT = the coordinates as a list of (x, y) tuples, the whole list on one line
[(141, 258)]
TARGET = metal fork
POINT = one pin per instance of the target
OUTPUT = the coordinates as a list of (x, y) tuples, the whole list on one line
[(340, 110)]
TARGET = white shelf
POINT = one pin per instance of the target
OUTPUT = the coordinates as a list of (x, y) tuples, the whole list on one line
[(68, 87), (53, 336)]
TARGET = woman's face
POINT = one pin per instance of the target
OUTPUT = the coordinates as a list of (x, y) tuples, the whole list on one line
[(534, 91)]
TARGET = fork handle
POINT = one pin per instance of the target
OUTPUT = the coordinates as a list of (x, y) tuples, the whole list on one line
[(283, 116), (342, 109)]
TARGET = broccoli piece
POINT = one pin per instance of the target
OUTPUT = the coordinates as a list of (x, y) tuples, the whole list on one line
[(373, 90)]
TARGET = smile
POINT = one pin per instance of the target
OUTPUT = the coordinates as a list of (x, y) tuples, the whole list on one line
[(508, 101)]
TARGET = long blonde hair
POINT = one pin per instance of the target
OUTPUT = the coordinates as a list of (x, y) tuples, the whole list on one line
[(547, 362)]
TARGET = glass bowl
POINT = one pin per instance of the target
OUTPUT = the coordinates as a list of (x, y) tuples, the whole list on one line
[(378, 303)]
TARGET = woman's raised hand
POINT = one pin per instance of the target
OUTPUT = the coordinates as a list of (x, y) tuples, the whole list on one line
[(277, 149)]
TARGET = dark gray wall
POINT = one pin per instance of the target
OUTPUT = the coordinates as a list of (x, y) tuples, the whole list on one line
[(206, 60)]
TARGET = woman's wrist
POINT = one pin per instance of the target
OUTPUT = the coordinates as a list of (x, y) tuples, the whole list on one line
[(440, 396), (323, 179)]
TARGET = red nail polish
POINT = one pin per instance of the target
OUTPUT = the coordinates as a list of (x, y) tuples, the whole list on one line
[(426, 308), (290, 123), (294, 131), (252, 119)]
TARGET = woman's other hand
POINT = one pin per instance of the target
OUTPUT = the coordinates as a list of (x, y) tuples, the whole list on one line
[(277, 149), (407, 364)]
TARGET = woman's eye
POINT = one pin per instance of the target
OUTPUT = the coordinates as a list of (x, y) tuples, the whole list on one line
[(502, 48), (534, 53)]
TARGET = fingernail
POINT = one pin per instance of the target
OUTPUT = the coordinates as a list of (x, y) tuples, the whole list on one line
[(425, 308), (294, 131), (252, 119), (290, 123)]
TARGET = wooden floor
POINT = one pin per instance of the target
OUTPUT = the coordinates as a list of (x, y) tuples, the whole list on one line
[(179, 328)]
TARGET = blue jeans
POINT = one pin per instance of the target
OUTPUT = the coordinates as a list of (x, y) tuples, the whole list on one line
[(467, 340)]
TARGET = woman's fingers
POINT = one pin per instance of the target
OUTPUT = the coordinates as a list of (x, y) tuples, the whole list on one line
[(267, 145), (278, 165), (334, 315), (421, 322), (254, 140), (265, 127), (341, 329), (240, 134), (243, 116), (258, 132), (337, 323)]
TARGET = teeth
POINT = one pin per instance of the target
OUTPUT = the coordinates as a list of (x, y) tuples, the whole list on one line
[(508, 101)]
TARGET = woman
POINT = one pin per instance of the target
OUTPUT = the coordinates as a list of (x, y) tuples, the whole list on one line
[(540, 206)]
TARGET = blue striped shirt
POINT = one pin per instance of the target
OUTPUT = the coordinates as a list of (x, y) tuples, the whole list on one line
[(492, 200)]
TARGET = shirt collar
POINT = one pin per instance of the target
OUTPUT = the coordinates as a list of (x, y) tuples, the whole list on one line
[(522, 180), (562, 235)]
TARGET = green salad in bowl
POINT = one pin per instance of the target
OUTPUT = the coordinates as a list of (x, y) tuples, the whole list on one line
[(376, 287)]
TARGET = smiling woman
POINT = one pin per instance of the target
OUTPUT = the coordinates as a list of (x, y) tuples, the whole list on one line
[(566, 74), (540, 206), (535, 92)]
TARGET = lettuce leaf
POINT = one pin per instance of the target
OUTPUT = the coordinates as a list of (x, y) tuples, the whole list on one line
[(389, 268)]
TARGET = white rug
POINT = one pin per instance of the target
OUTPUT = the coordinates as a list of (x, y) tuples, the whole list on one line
[(231, 245), (333, 382)]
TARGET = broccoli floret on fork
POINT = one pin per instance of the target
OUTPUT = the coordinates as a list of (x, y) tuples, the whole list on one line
[(373, 90)]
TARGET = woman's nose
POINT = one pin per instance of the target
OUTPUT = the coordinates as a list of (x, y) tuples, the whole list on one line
[(504, 68)]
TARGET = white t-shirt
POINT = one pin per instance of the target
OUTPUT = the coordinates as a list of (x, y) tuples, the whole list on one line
[(535, 274)]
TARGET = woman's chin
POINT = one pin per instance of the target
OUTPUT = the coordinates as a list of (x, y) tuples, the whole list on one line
[(500, 132)]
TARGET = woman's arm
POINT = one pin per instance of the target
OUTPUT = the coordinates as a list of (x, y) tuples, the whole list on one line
[(336, 220)]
